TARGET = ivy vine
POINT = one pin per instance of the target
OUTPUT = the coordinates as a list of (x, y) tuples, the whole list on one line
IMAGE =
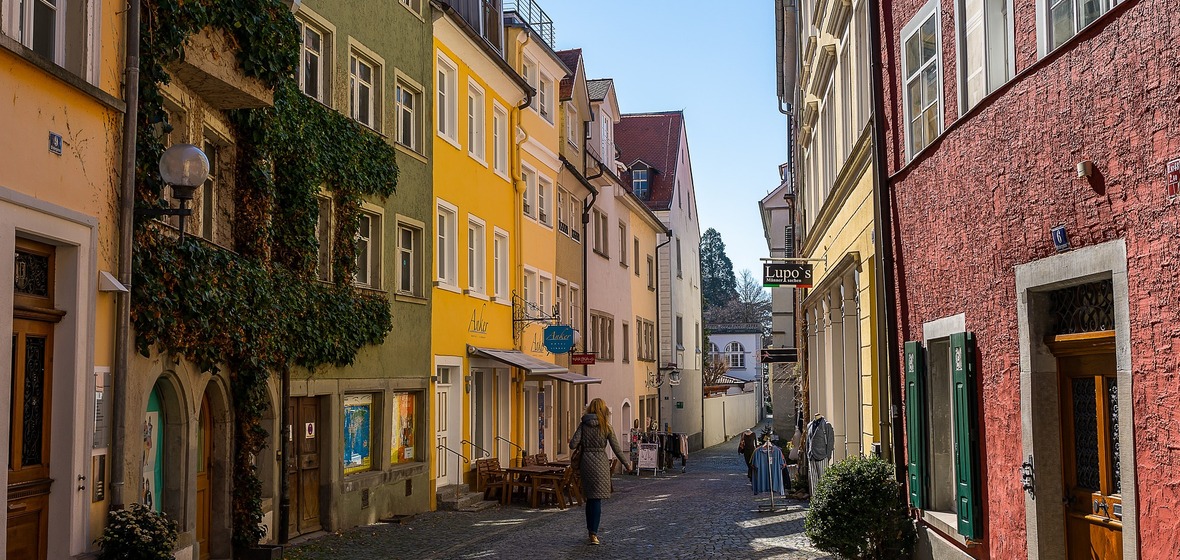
[(260, 308)]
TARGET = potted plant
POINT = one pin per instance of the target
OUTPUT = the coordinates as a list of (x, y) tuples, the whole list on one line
[(137, 533), (857, 512)]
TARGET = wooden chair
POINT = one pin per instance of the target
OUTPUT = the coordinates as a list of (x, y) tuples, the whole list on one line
[(557, 486), (528, 460), (541, 458), (490, 477)]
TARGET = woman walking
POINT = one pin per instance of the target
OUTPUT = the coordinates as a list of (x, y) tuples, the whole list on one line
[(593, 435)]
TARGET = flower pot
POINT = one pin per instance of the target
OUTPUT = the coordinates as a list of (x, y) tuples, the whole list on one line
[(260, 552)]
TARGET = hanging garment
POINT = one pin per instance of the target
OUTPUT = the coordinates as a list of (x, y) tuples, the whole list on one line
[(768, 470)]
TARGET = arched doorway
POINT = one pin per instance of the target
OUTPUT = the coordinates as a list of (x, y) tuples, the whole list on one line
[(204, 470)]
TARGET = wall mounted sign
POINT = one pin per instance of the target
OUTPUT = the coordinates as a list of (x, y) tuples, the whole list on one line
[(55, 143), (309, 430), (776, 274), (779, 355), (559, 339), (1060, 239), (98, 478), (478, 325), (99, 438), (582, 359), (1173, 177)]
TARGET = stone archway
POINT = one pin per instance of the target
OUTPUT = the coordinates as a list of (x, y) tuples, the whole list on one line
[(215, 397)]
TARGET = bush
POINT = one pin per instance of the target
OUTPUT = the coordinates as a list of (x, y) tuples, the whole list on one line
[(857, 512), (137, 533)]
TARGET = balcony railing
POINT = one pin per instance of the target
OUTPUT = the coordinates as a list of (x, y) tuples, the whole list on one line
[(531, 13)]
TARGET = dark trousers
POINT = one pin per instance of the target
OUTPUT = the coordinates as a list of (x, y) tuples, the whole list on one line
[(750, 466), (593, 514)]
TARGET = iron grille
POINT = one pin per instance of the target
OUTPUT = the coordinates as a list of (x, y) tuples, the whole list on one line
[(1083, 308)]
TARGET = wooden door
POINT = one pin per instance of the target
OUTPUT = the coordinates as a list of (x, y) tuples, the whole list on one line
[(28, 471), (447, 470), (303, 473), (1090, 446), (204, 469)]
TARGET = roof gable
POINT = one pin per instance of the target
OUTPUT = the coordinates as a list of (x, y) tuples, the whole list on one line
[(572, 59), (653, 138)]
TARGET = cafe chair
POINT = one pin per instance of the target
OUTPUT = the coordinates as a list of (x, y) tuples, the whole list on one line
[(490, 477), (555, 488)]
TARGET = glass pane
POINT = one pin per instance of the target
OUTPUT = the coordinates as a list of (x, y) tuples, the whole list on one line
[(931, 123), (1085, 433), (366, 73), (1112, 390), (364, 105), (913, 55), (45, 29), (930, 81), (311, 39), (31, 274), (915, 98), (929, 36), (311, 75), (1091, 10), (1062, 22), (34, 401)]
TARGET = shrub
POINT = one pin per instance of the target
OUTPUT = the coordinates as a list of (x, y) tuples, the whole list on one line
[(137, 533), (857, 512)]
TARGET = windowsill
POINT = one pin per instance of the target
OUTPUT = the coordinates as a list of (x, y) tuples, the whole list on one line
[(601, 254), (369, 128), (449, 140), (651, 288), (502, 174), (410, 152), (477, 159), (623, 263), (373, 290), (545, 225), (410, 298), (502, 301), (448, 287), (945, 523), (61, 73), (476, 295), (416, 14), (530, 217)]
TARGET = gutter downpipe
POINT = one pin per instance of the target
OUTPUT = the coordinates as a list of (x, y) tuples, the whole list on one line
[(887, 341), (659, 366), (126, 238), (586, 206), (517, 173)]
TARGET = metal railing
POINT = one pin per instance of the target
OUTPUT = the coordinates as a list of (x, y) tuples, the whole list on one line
[(486, 453), (523, 452), (458, 466), (531, 13)]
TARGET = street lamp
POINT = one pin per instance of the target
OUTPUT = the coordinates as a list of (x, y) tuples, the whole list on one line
[(185, 167)]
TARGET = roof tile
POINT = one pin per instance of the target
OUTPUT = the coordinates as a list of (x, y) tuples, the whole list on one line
[(655, 139)]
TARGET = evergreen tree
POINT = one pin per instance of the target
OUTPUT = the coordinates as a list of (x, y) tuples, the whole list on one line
[(718, 284)]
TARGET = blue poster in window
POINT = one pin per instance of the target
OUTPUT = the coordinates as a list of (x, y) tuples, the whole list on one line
[(358, 412)]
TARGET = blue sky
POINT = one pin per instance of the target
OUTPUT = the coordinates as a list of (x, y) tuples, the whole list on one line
[(715, 61)]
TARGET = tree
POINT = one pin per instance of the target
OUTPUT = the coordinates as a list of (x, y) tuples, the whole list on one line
[(718, 285), (751, 304), (715, 365)]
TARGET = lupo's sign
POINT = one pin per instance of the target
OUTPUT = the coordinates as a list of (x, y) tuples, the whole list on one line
[(775, 274)]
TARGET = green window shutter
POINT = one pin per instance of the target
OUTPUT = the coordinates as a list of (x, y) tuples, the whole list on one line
[(966, 434), (915, 421)]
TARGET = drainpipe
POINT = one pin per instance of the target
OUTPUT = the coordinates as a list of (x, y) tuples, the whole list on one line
[(126, 238), (586, 206), (516, 173), (659, 361), (887, 342)]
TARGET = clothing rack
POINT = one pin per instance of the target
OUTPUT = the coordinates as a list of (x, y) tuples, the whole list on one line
[(768, 474), (671, 445)]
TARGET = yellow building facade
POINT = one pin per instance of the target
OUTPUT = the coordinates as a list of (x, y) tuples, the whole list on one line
[(59, 209)]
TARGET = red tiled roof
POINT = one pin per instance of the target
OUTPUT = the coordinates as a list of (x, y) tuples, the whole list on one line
[(655, 139), (571, 58)]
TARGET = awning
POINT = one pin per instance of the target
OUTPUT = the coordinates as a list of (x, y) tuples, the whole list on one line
[(539, 370)]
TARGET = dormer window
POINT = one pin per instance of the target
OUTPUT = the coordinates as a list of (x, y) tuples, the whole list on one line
[(640, 182)]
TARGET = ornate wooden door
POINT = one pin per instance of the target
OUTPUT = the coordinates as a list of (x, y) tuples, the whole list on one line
[(28, 472), (303, 472)]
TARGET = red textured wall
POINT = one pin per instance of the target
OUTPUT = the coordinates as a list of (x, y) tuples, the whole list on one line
[(982, 199)]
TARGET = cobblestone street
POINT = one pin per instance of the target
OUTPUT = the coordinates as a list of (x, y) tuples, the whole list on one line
[(708, 511)]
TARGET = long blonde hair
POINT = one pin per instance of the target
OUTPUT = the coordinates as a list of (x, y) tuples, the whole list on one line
[(598, 408)]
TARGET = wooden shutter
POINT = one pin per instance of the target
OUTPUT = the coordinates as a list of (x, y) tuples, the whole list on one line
[(915, 421), (966, 434)]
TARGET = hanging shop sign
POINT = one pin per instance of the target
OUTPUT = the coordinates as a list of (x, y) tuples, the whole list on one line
[(779, 355), (559, 339), (1173, 177), (776, 274), (582, 359)]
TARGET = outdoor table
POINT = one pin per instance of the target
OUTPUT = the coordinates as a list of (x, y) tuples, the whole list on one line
[(516, 477), (560, 462)]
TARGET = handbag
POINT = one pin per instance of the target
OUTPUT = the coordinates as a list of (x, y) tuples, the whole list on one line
[(576, 460)]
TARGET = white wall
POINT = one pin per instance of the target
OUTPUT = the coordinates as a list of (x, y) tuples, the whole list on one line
[(727, 416)]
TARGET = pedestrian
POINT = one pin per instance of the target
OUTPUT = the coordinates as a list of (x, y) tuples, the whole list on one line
[(594, 433), (747, 446), (821, 440)]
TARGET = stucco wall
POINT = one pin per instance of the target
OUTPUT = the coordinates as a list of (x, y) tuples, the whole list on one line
[(727, 416)]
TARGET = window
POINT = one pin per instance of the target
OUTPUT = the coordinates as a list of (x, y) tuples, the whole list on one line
[(476, 256), (736, 355), (639, 182), (447, 108), (209, 190), (921, 68), (571, 128), (500, 254), (530, 189), (574, 213), (362, 78), (626, 343), (635, 252), (622, 244), (608, 152), (679, 260), (528, 71), (409, 242), (413, 5), (476, 145), (562, 223), (679, 332), (408, 107), (358, 434), (368, 251), (323, 235), (559, 300), (405, 430), (651, 273), (575, 307), (544, 291), (984, 44), (601, 234), (1067, 17), (602, 333), (530, 288), (41, 27), (545, 201), (447, 246), (940, 390), (545, 97), (311, 65), (499, 140), (645, 343)]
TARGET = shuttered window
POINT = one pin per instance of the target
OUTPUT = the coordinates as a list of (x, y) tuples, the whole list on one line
[(915, 416), (966, 433)]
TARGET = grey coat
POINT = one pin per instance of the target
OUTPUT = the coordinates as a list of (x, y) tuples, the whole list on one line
[(821, 440), (595, 463)]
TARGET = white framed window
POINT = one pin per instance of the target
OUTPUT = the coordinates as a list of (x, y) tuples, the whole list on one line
[(601, 234), (544, 292), (528, 71), (530, 288), (635, 256), (572, 134), (574, 212), (545, 97), (409, 258), (560, 298), (476, 255), (447, 105), (985, 48), (500, 254), (651, 273), (679, 260), (562, 211), (363, 82), (679, 332), (622, 244), (209, 189), (447, 246), (476, 143), (408, 104), (545, 201), (323, 235), (412, 5), (575, 306), (311, 74), (1060, 20), (499, 140), (736, 355), (608, 152), (530, 190), (41, 25), (922, 69), (602, 336), (368, 250), (639, 182)]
